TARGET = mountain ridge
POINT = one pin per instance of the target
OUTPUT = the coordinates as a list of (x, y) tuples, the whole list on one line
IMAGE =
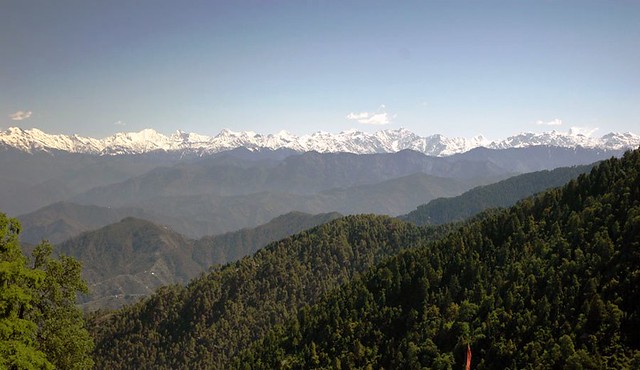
[(351, 141), (551, 281), (132, 257), (503, 193)]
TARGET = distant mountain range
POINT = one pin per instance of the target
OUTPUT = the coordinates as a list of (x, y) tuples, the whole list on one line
[(352, 141), (222, 192), (156, 255)]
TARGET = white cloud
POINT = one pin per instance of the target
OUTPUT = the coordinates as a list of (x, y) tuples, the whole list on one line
[(584, 131), (376, 119), (555, 122), (357, 116), (381, 117), (120, 123), (20, 115)]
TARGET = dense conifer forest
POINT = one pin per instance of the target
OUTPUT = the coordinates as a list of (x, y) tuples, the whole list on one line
[(206, 323), (551, 282)]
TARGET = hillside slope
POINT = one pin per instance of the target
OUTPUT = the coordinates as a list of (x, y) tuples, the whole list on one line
[(131, 258), (504, 193), (205, 324), (552, 282)]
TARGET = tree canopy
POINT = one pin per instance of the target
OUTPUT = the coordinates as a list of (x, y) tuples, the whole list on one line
[(553, 281), (40, 327)]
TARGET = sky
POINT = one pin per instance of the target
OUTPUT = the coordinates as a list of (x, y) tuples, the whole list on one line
[(457, 68)]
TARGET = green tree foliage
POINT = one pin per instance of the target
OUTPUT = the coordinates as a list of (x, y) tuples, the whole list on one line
[(40, 327), (18, 344), (62, 335), (553, 282), (206, 323)]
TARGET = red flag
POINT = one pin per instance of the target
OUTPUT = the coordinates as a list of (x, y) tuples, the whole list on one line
[(468, 357)]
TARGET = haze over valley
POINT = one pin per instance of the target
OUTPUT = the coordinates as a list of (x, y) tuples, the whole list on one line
[(319, 184), (139, 221)]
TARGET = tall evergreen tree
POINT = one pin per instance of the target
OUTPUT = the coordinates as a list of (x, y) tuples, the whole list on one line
[(40, 327)]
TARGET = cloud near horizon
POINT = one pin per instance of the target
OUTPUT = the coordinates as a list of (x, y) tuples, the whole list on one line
[(120, 123), (555, 122), (584, 131), (381, 117), (20, 115)]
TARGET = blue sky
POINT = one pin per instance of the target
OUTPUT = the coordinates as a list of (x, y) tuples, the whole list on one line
[(459, 68)]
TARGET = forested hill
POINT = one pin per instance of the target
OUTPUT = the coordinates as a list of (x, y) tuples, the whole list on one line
[(501, 194), (553, 282), (205, 324), (132, 258)]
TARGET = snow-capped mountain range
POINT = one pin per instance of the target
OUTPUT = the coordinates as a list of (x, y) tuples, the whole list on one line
[(352, 141)]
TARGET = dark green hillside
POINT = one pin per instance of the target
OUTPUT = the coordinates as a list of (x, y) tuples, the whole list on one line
[(205, 324), (234, 245), (131, 258), (553, 282), (501, 194)]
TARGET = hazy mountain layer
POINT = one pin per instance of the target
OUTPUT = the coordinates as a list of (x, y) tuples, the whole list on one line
[(210, 196), (33, 181), (63, 220), (199, 196), (501, 194)]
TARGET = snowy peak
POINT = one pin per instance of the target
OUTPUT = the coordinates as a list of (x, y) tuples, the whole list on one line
[(572, 139), (35, 140), (620, 141), (147, 140), (352, 141)]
